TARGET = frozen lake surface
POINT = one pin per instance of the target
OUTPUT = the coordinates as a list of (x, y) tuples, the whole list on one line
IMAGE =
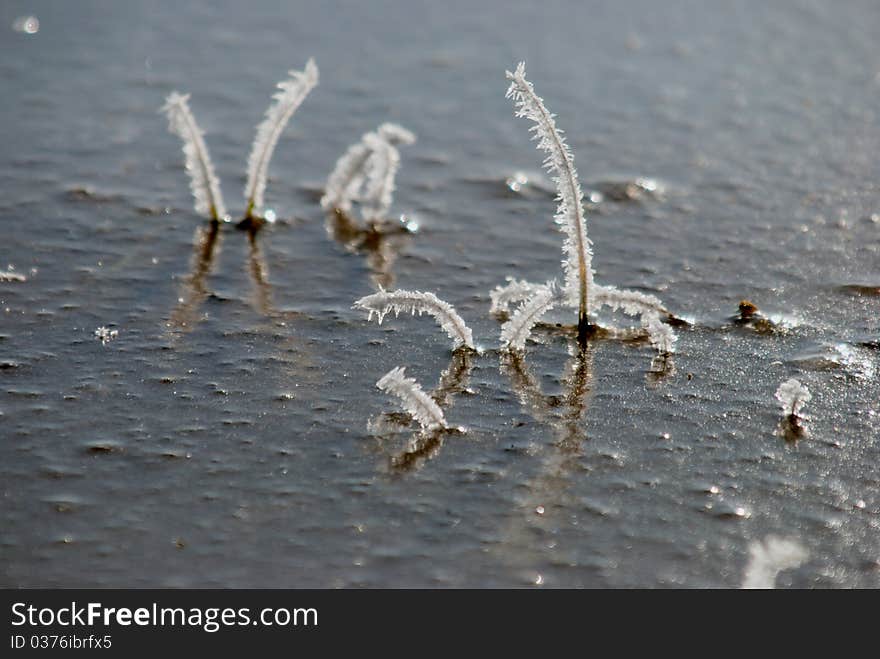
[(230, 433)]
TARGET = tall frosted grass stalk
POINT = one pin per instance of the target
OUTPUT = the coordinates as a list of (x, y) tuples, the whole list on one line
[(570, 215), (204, 184), (291, 93)]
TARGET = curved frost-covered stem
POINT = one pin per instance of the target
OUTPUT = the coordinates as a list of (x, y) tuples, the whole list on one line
[(384, 302), (346, 178), (415, 401), (516, 330), (634, 303), (514, 291), (293, 92), (426, 444), (660, 334), (630, 302), (203, 181), (381, 170), (570, 212), (395, 134)]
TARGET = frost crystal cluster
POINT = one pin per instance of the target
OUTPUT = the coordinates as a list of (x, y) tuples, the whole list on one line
[(792, 397)]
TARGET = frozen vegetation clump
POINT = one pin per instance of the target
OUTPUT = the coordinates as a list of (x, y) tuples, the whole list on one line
[(579, 289), (366, 174), (105, 334), (793, 396)]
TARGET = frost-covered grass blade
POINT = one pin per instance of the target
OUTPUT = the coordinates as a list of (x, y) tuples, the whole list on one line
[(292, 92), (384, 302), (516, 331), (513, 292), (414, 400), (570, 215), (203, 181)]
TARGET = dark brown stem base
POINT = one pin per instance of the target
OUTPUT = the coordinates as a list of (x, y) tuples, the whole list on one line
[(251, 223), (585, 330)]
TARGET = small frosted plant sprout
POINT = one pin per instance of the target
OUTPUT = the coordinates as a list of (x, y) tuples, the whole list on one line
[(366, 173), (792, 397), (413, 399), (204, 183), (579, 289), (418, 302)]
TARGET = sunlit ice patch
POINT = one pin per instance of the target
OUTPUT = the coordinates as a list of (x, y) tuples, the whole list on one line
[(785, 320), (854, 361)]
